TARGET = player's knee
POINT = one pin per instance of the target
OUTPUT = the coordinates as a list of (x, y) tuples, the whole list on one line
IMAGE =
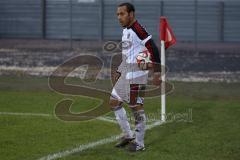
[(137, 107), (136, 103), (115, 104)]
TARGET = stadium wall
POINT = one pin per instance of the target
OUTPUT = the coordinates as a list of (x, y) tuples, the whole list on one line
[(193, 21)]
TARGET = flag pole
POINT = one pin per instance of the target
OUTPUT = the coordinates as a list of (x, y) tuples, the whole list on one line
[(163, 78), (167, 39)]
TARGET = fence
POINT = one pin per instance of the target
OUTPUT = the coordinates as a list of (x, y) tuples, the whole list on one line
[(192, 21)]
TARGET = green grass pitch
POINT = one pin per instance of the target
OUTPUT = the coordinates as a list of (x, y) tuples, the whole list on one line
[(213, 133)]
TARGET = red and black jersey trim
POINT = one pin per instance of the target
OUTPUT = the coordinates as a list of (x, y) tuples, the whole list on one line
[(152, 48), (155, 56), (139, 30)]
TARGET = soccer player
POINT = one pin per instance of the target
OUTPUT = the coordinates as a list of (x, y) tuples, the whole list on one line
[(131, 79)]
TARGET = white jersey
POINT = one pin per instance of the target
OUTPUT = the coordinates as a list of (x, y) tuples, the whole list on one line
[(134, 40)]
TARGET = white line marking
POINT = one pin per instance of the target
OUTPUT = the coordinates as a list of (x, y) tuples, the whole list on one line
[(107, 119), (112, 120), (83, 147), (80, 148), (26, 114), (104, 118), (157, 123)]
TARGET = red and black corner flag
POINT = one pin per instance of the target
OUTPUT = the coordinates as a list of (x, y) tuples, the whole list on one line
[(166, 33)]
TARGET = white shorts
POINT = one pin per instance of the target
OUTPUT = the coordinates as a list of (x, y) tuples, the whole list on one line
[(132, 94)]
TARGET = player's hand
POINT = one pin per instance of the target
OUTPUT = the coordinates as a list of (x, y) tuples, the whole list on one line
[(146, 66), (149, 65), (157, 78)]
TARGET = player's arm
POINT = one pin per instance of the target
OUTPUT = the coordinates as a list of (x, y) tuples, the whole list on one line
[(155, 56), (146, 40)]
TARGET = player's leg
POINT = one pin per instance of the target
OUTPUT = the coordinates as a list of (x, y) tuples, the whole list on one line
[(136, 104), (118, 95), (121, 117)]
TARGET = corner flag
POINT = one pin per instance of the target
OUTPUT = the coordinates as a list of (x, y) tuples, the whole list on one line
[(166, 33), (167, 39)]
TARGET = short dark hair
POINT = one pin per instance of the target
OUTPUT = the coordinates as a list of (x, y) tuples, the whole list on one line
[(130, 7)]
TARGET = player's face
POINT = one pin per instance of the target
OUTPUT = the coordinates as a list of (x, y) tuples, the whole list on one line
[(124, 17)]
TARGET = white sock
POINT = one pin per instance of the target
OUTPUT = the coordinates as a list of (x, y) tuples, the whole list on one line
[(121, 117), (140, 120)]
